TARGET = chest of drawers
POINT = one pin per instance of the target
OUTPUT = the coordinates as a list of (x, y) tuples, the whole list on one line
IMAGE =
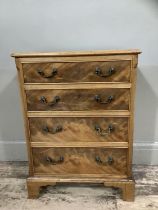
[(78, 113)]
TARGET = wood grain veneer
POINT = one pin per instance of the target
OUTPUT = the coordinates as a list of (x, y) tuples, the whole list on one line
[(79, 129), (79, 161), (76, 72), (78, 100)]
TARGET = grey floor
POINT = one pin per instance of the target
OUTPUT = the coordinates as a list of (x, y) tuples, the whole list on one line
[(13, 192)]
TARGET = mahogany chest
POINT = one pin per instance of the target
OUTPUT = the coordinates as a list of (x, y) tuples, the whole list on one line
[(78, 112)]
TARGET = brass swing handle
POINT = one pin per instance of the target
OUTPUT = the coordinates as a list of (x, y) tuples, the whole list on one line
[(103, 132), (55, 100), (55, 130), (53, 161), (99, 72), (109, 160), (42, 74), (108, 100)]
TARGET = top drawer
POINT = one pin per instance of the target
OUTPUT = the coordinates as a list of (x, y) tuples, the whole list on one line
[(107, 71)]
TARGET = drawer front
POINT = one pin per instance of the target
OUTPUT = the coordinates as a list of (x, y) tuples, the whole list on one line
[(60, 161), (77, 100), (114, 71), (69, 129)]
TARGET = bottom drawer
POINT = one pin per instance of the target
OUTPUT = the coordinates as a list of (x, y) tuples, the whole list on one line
[(68, 161)]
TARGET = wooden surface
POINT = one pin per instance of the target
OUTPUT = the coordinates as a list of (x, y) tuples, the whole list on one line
[(71, 153), (78, 85), (78, 129), (79, 161), (76, 72), (92, 113), (24, 109), (77, 100), (76, 53), (127, 186), (131, 119), (80, 144), (76, 59)]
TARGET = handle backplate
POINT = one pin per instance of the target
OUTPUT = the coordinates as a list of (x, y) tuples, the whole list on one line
[(109, 160), (110, 72), (55, 130), (53, 161), (104, 132), (44, 75), (107, 101), (55, 100)]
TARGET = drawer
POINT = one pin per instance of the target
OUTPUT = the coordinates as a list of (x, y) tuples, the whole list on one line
[(78, 129), (60, 161), (71, 100), (111, 71)]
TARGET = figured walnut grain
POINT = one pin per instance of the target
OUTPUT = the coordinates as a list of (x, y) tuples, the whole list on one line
[(80, 161), (76, 72), (78, 129), (78, 100)]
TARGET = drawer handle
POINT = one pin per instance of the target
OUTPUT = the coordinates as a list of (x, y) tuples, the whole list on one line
[(55, 100), (103, 132), (53, 161), (99, 72), (109, 160), (108, 100), (53, 130), (42, 74)]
